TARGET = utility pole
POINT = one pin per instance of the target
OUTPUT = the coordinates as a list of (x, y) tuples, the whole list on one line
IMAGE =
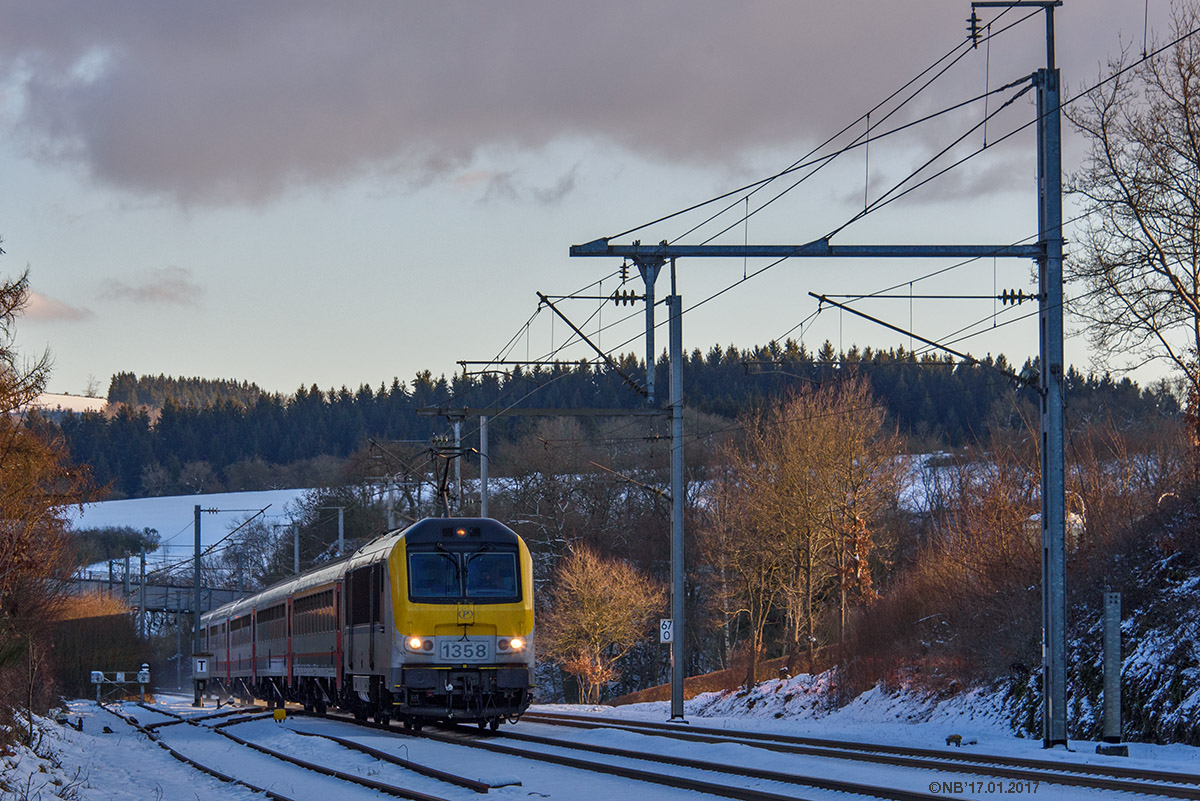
[(1054, 580), (341, 510), (458, 491), (1050, 324), (649, 269), (178, 639), (142, 595), (196, 602), (196, 582), (483, 465), (678, 612), (1048, 252)]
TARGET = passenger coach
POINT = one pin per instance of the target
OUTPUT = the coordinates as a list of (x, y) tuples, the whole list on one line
[(431, 622)]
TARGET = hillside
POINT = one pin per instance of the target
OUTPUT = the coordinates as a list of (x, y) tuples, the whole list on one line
[(208, 436)]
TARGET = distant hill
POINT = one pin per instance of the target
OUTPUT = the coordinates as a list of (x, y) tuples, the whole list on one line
[(174, 435), (154, 391)]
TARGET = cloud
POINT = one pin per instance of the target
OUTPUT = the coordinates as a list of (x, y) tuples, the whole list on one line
[(244, 104), (510, 186), (1007, 170), (166, 285), (44, 307)]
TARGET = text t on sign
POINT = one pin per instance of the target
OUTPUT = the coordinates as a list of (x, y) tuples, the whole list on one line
[(666, 630)]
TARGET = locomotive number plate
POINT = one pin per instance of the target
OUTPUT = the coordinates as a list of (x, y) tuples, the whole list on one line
[(464, 651)]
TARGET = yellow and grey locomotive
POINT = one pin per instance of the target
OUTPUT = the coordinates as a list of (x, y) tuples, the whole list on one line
[(433, 622)]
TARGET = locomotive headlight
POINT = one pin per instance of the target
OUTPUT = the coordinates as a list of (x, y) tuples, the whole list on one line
[(414, 643), (516, 643)]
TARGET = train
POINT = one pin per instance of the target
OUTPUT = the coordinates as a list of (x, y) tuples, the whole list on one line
[(433, 622)]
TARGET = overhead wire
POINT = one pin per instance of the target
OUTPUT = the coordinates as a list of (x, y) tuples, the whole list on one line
[(755, 186), (799, 164), (1062, 104), (824, 161), (888, 198), (1074, 98)]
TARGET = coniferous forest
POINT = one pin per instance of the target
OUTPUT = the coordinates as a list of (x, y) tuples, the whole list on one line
[(166, 435)]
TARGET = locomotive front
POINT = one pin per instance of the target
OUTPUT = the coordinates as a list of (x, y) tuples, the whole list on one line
[(462, 597)]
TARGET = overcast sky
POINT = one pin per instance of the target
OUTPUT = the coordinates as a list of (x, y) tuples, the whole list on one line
[(342, 193)]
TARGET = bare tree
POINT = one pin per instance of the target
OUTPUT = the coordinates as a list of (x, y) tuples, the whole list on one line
[(599, 610), (808, 487), (1138, 256), (752, 570), (863, 478), (981, 562)]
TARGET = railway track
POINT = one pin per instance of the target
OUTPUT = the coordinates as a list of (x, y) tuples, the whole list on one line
[(201, 722), (1016, 769), (653, 774), (195, 764), (1000, 775)]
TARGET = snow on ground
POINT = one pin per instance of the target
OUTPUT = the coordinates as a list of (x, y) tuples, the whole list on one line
[(91, 765), (50, 403), (800, 706)]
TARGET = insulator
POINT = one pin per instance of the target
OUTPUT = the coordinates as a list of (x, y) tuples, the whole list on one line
[(973, 28), (1016, 296)]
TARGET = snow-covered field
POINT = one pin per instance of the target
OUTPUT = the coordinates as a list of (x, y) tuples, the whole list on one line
[(94, 765), (173, 517)]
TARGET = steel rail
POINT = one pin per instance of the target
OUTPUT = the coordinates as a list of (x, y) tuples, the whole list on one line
[(372, 784), (180, 718), (1110, 778), (424, 770), (383, 787), (197, 765), (458, 736), (682, 782)]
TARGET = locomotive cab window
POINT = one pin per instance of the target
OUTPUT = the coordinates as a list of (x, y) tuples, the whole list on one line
[(444, 576), (433, 576), (492, 576)]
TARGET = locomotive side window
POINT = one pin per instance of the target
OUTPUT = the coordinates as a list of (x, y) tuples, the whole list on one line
[(492, 576), (363, 595)]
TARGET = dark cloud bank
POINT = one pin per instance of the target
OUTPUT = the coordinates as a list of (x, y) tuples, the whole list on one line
[(227, 101)]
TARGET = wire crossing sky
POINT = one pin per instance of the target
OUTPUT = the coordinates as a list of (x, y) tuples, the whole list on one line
[(291, 193)]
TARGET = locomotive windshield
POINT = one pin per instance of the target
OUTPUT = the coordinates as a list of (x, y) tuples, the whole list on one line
[(454, 576), (433, 575), (491, 575)]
